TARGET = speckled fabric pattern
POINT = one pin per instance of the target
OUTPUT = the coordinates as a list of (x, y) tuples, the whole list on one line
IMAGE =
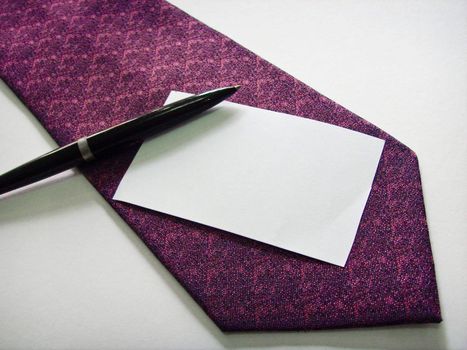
[(82, 66)]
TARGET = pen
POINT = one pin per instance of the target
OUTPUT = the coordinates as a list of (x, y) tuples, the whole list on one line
[(110, 140)]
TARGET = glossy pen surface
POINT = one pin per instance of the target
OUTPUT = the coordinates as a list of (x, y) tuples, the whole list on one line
[(109, 140)]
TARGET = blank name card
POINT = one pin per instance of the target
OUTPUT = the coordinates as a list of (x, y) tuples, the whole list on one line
[(291, 182)]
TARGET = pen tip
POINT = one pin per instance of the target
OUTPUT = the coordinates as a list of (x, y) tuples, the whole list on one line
[(236, 87)]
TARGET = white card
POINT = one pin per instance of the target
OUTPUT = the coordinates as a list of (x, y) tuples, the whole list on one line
[(287, 181)]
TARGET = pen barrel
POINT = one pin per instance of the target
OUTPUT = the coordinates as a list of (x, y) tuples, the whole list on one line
[(112, 139), (40, 168)]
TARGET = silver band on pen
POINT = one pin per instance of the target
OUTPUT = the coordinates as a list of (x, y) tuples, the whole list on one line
[(84, 149)]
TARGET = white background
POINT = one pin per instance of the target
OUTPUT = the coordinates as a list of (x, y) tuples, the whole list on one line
[(73, 275)]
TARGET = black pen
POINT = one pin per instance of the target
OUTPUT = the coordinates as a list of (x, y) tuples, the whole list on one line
[(110, 140)]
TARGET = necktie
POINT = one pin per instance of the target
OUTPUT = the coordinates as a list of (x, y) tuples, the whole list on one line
[(82, 67)]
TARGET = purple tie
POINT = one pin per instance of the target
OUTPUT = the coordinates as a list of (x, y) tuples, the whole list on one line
[(84, 67)]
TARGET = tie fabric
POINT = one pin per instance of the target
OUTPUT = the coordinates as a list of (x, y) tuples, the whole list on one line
[(82, 66)]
